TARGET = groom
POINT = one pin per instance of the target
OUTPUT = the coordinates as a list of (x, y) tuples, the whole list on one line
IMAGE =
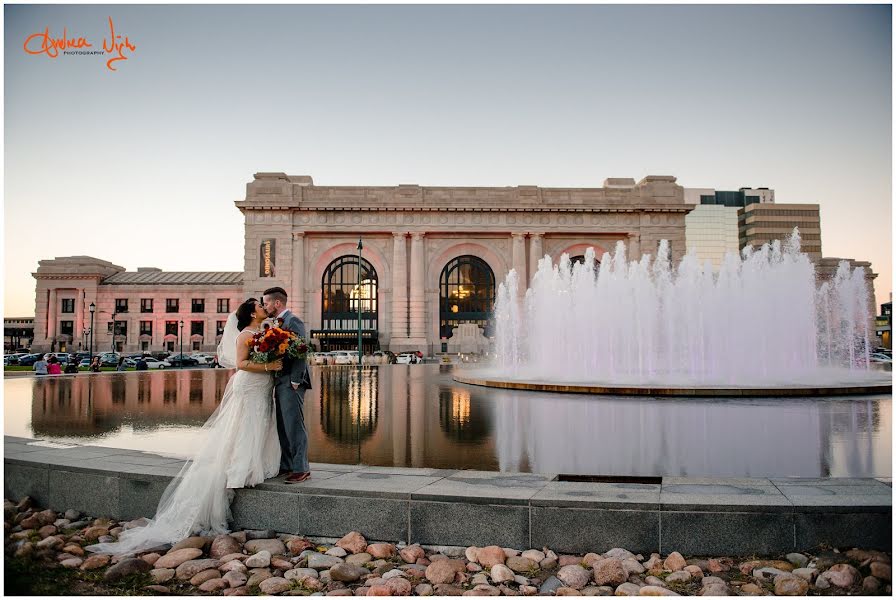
[(289, 393)]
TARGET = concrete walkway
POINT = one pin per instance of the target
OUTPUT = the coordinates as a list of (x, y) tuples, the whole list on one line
[(703, 516)]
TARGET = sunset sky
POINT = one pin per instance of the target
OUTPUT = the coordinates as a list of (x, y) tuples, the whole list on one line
[(141, 166)]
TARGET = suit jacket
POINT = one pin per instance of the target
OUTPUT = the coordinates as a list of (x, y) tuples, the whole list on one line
[(294, 370)]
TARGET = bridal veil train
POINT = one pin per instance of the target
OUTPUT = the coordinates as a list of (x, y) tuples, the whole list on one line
[(238, 447)]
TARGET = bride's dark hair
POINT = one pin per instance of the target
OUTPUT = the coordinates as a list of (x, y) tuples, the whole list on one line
[(245, 313)]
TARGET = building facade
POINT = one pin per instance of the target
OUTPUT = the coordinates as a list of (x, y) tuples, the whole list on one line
[(143, 310), (759, 224), (18, 332), (432, 257)]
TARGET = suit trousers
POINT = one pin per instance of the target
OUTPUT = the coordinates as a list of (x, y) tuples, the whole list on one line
[(291, 427)]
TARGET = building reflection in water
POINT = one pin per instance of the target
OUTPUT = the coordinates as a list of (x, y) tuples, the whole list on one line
[(417, 416)]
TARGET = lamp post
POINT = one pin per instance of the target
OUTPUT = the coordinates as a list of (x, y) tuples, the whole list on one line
[(92, 311), (114, 330), (360, 352), (181, 340)]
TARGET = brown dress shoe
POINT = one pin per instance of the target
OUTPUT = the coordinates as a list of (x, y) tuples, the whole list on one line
[(297, 477)]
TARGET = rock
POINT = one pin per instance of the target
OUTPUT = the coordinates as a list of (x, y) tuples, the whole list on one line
[(358, 559), (151, 558), (656, 581), (235, 565), (567, 591), (105, 539), (72, 563), (655, 590), (196, 541), (320, 561), (751, 565), (257, 576), (238, 591), (399, 586), (159, 589), (235, 579), (620, 553), (654, 562), (767, 573), (626, 589), (443, 571), (791, 585), (186, 570), (347, 573), (548, 563), (47, 531), (610, 571), (423, 589), (298, 545), (72, 515), (674, 562), (128, 566), (45, 517), (162, 575), (203, 576), (881, 571), (473, 567), (93, 533), (472, 553), (534, 555), (871, 585), (797, 560), (841, 575), (97, 561), (394, 573), (678, 577), (259, 559), (549, 586), (175, 558), (480, 579), (751, 589), (695, 571), (568, 559), (632, 566), (574, 576), (597, 590), (521, 564), (381, 550), (51, 542), (299, 574), (214, 585), (353, 542), (446, 589), (501, 573), (806, 573), (490, 556), (273, 586), (410, 554), (508, 552), (260, 534), (273, 546), (281, 563), (341, 592), (337, 552)]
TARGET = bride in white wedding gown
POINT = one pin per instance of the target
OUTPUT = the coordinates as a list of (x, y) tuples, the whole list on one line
[(239, 448)]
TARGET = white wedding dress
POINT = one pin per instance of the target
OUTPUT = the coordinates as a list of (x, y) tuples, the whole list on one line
[(238, 448)]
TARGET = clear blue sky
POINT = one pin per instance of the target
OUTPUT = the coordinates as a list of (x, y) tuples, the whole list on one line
[(141, 166)]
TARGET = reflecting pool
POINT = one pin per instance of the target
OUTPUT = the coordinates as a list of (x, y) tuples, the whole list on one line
[(417, 416)]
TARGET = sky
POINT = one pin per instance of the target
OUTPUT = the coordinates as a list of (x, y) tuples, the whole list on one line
[(140, 166)]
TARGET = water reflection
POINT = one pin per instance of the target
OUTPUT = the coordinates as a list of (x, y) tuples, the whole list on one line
[(417, 416)]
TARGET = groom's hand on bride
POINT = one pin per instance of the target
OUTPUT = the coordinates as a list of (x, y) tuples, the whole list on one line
[(295, 386), (276, 365)]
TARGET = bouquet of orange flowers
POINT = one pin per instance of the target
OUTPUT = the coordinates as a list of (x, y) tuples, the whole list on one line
[(273, 343)]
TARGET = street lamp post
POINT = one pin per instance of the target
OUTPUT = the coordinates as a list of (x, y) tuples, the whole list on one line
[(360, 352), (92, 311), (181, 340), (114, 330)]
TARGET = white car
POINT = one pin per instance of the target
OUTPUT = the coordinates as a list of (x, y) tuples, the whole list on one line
[(345, 358), (880, 357), (155, 363), (203, 359), (407, 358), (321, 358)]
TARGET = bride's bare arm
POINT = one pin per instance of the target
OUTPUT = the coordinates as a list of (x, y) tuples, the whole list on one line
[(242, 357)]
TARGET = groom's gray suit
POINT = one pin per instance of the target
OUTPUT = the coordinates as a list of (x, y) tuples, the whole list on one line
[(290, 404)]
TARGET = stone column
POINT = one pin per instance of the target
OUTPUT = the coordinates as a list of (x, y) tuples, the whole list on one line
[(79, 317), (297, 293), (52, 310), (399, 289), (519, 261), (634, 246), (536, 253), (417, 298)]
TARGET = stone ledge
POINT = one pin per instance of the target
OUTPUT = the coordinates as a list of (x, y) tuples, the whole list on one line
[(462, 508)]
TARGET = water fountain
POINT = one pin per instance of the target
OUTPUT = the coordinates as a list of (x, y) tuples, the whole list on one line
[(759, 324)]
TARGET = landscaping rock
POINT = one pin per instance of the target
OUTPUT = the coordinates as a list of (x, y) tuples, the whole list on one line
[(274, 585), (806, 573), (881, 570), (235, 579), (175, 558), (320, 561), (196, 541), (126, 567), (574, 576), (273, 546), (678, 577), (444, 571), (203, 576), (259, 560), (353, 542), (347, 573), (359, 559), (521, 564), (501, 573), (674, 562), (490, 556), (97, 561), (410, 554), (185, 571), (627, 589), (381, 550), (223, 545), (797, 560), (655, 590), (609, 571), (791, 585)]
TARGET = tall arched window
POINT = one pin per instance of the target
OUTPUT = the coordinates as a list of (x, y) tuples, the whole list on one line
[(341, 298), (466, 294)]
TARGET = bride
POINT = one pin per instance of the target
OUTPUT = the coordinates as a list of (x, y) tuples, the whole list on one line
[(239, 448)]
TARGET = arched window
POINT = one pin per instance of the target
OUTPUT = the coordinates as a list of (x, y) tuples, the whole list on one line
[(466, 294), (341, 298)]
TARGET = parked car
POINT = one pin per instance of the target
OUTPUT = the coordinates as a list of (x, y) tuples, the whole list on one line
[(408, 358), (85, 362), (28, 360), (10, 360), (383, 357), (880, 357), (202, 358), (155, 363), (341, 357), (182, 360)]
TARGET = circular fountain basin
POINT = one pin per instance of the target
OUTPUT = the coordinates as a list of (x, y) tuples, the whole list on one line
[(832, 383)]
